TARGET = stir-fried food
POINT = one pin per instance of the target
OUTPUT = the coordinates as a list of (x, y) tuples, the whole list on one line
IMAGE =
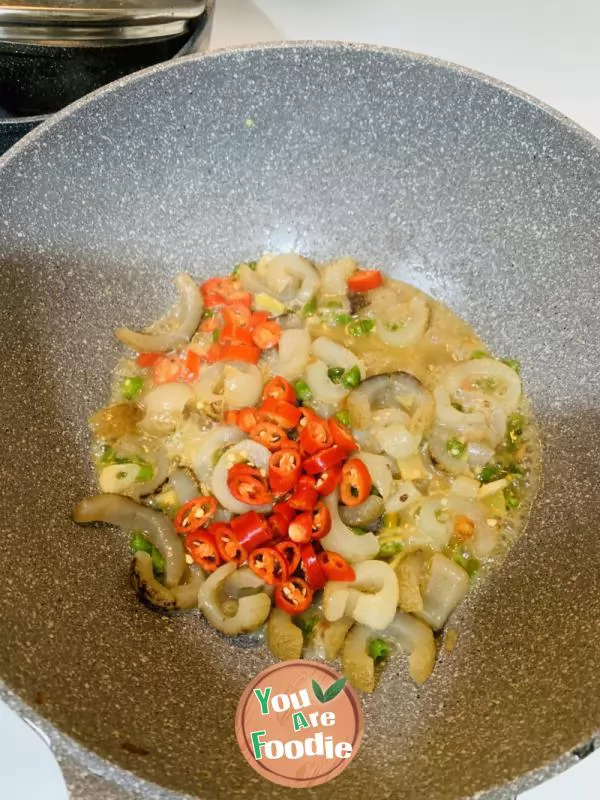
[(317, 449)]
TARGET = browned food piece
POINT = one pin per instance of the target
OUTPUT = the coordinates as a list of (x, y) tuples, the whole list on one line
[(152, 593), (198, 415), (334, 636), (115, 421), (358, 301), (283, 637), (156, 596), (358, 666), (450, 640), (365, 515), (409, 572), (394, 390)]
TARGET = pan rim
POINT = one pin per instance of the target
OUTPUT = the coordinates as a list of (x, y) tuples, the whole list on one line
[(300, 44)]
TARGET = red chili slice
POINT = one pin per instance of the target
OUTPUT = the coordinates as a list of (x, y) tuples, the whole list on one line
[(364, 280), (213, 300), (315, 435), (305, 495), (203, 549), (251, 530), (286, 510), (247, 485), (258, 317), (321, 521), (335, 567), (291, 553), (239, 297), (300, 529), (227, 544), (166, 369), (278, 525), (279, 389), (247, 418), (309, 525), (324, 460), (230, 417), (193, 364), (269, 564), (214, 353), (285, 467), (238, 352), (356, 483), (193, 515), (328, 481), (341, 436), (149, 359), (280, 412), (293, 596), (313, 570), (267, 334), (217, 285), (271, 436), (224, 291), (238, 316), (236, 335), (307, 413)]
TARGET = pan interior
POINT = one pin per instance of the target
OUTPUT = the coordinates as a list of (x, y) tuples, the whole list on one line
[(472, 193)]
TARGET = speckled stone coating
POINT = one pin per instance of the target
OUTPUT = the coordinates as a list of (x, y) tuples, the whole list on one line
[(475, 193)]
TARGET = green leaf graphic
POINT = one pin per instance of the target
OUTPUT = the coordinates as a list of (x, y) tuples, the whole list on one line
[(334, 690), (318, 691)]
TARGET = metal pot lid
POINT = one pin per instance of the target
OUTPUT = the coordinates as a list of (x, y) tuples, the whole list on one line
[(94, 20), (125, 12)]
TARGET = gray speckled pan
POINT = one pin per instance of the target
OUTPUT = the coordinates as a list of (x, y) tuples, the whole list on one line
[(472, 191)]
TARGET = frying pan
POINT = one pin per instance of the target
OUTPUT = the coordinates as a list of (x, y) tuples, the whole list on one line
[(469, 189)]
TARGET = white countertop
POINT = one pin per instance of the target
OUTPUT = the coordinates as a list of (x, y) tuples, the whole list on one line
[(548, 48)]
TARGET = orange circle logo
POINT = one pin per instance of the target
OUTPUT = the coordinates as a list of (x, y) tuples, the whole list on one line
[(298, 723)]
